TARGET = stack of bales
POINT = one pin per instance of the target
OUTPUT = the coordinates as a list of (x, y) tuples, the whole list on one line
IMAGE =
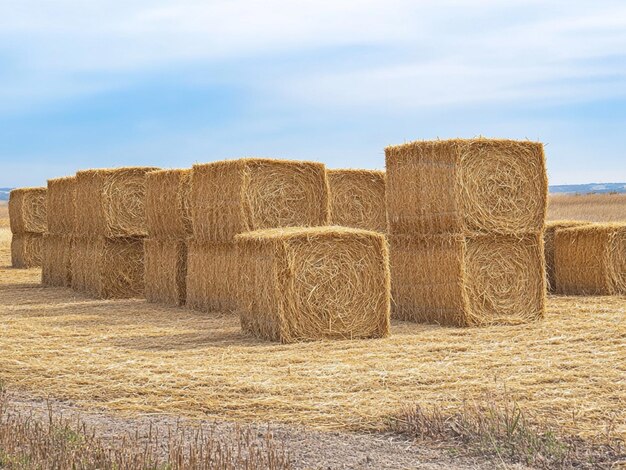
[(107, 260), (58, 240), (466, 220), (550, 248), (169, 225), (591, 260), (357, 199), (234, 196), (27, 214)]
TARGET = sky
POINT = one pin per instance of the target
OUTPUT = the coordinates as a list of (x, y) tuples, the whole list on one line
[(95, 83)]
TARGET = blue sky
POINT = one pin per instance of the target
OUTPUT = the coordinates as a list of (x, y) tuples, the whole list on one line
[(94, 83)]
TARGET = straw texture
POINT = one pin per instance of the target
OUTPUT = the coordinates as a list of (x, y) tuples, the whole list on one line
[(304, 284), (357, 199), (61, 205), (591, 260), (108, 267), (455, 280), (549, 247), (26, 250), (112, 202), (167, 204), (165, 271), (27, 210), (466, 186), (234, 196), (56, 263)]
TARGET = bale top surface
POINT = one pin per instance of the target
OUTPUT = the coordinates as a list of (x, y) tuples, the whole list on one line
[(305, 232)]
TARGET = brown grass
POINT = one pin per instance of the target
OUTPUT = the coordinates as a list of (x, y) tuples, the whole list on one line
[(4, 214), (588, 207), (130, 356)]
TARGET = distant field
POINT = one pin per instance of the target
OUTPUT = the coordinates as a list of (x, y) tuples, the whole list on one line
[(4, 214), (592, 207)]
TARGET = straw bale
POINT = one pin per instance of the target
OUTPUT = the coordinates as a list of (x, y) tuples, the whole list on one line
[(56, 261), (549, 248), (165, 271), (591, 260), (304, 284), (27, 210), (167, 204), (234, 196), (212, 276), (466, 186), (108, 267), (61, 207), (112, 202), (468, 281), (357, 199), (26, 250)]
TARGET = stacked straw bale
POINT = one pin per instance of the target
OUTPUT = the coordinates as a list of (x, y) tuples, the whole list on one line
[(110, 227), (357, 199), (169, 225), (58, 239), (550, 249), (466, 220), (27, 218), (234, 196), (591, 260), (305, 284)]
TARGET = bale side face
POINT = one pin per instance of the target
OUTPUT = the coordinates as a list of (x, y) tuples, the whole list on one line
[(56, 263), (165, 271), (357, 199), (476, 186), (549, 247), (235, 196), (111, 203), (27, 210), (61, 207), (315, 284), (26, 250), (167, 204), (617, 260)]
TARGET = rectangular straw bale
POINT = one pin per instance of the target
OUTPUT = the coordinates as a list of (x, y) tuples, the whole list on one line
[(165, 271), (305, 284), (549, 247), (111, 202), (466, 186), (61, 207), (27, 210), (234, 196), (357, 199), (591, 260), (212, 276), (108, 268), (26, 250), (167, 204), (56, 263), (468, 281)]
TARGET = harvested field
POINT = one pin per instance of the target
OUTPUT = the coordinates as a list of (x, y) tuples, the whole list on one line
[(4, 214), (587, 207), (132, 357)]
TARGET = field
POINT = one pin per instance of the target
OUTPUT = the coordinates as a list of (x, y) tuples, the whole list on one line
[(129, 358)]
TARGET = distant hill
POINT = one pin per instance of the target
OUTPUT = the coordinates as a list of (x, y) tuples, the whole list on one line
[(589, 188), (4, 194)]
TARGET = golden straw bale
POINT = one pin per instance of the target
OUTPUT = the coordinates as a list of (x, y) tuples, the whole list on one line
[(468, 281), (56, 261), (108, 267), (549, 247), (167, 204), (234, 196), (165, 271), (27, 210), (111, 202), (212, 276), (61, 207), (466, 186), (357, 199), (591, 259), (26, 250), (304, 284)]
